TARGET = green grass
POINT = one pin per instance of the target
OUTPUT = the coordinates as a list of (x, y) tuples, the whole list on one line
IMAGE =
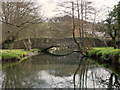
[(35, 50), (14, 53), (108, 54), (104, 52)]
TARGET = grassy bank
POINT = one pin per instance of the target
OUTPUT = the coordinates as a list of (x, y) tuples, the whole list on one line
[(105, 54), (16, 54), (107, 57)]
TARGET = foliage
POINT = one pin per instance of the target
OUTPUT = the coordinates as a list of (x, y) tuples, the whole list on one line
[(92, 52), (104, 52), (113, 24), (119, 19)]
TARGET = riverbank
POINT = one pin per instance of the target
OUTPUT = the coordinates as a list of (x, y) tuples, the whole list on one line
[(16, 54), (114, 68), (105, 55)]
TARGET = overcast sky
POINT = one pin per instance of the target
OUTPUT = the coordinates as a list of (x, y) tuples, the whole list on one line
[(50, 5)]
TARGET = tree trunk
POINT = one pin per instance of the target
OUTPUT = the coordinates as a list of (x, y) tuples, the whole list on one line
[(114, 42), (27, 45)]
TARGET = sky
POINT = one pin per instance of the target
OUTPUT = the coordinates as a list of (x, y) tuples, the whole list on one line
[(49, 6)]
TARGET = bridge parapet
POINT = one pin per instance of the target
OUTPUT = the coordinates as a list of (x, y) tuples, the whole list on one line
[(42, 43)]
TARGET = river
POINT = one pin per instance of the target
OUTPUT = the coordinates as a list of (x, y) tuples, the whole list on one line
[(47, 71)]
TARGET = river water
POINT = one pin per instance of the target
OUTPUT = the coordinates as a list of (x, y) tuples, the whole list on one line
[(47, 71)]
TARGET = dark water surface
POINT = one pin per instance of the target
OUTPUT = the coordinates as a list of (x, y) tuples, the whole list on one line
[(46, 71)]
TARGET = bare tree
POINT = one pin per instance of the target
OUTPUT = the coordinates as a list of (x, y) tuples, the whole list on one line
[(79, 11), (17, 17)]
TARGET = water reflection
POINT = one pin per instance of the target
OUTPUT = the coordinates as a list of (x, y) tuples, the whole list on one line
[(92, 76), (45, 71)]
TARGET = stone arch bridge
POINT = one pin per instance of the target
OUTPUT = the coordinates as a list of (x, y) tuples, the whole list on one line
[(48, 42), (43, 43)]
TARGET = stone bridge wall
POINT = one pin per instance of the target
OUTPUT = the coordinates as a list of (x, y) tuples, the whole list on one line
[(42, 43)]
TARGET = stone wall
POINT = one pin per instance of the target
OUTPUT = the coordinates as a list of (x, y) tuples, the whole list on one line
[(42, 43)]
